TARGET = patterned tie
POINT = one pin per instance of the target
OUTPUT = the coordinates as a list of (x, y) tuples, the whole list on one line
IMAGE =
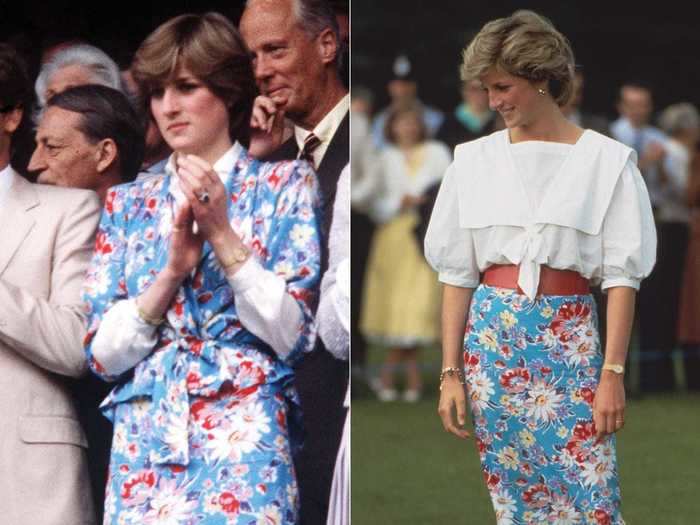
[(311, 142)]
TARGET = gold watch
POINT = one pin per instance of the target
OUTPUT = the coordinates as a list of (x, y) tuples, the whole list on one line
[(238, 255), (616, 369)]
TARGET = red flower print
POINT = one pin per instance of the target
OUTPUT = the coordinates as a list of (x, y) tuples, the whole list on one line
[(587, 394), (102, 245), (229, 503), (205, 297), (109, 201), (569, 317), (536, 496), (492, 480), (601, 517), (281, 419), (515, 380), (142, 479)]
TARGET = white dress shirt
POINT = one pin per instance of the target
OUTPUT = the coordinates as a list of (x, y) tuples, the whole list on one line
[(262, 303), (583, 208), (324, 130)]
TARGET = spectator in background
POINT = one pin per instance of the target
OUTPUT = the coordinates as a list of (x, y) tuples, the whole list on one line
[(689, 310), (47, 238), (471, 119), (572, 109), (400, 309), (403, 92), (296, 49), (88, 137), (633, 129), (74, 66), (681, 123)]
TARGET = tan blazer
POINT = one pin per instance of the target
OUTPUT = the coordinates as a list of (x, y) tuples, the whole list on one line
[(46, 240)]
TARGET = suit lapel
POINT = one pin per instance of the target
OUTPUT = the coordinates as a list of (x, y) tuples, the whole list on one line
[(15, 222)]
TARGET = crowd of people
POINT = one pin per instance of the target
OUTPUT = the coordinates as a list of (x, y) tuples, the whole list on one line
[(174, 308), (388, 194)]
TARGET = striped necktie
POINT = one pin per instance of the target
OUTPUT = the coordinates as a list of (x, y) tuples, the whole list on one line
[(311, 142)]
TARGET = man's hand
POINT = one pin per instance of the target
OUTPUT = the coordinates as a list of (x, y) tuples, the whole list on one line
[(267, 127)]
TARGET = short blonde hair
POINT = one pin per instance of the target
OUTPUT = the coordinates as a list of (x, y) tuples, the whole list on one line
[(525, 45), (212, 49)]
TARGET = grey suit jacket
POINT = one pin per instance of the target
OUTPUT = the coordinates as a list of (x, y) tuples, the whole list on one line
[(46, 240)]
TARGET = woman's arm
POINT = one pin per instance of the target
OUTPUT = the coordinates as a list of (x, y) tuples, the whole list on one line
[(125, 332), (609, 402), (455, 310), (274, 295)]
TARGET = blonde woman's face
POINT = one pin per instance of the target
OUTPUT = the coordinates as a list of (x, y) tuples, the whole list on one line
[(516, 99)]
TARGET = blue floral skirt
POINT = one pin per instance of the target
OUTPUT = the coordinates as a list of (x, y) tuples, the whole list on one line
[(239, 472), (532, 369)]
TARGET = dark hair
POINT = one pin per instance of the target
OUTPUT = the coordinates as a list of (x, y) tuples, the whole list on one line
[(15, 91), (107, 113), (211, 48), (397, 112)]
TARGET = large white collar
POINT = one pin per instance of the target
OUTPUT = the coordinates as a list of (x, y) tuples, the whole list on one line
[(492, 193)]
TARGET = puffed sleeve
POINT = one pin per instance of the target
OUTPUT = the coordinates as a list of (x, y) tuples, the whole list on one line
[(629, 234), (449, 249), (275, 295), (117, 338)]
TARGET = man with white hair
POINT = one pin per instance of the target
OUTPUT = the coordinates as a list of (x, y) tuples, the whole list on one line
[(74, 66), (296, 52)]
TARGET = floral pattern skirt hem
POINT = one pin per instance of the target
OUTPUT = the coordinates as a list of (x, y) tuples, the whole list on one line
[(239, 470), (532, 369)]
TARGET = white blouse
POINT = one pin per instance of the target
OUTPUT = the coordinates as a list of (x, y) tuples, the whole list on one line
[(581, 207)]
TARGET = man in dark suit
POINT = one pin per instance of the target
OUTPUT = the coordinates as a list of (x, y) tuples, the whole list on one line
[(296, 50)]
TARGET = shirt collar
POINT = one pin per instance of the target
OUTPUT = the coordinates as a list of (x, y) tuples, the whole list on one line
[(325, 129), (6, 176)]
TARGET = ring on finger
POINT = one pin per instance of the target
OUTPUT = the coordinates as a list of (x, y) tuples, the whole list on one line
[(203, 197)]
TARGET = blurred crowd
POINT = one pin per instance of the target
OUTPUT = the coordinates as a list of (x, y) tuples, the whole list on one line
[(399, 154)]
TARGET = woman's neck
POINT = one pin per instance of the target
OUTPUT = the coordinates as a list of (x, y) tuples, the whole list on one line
[(551, 126)]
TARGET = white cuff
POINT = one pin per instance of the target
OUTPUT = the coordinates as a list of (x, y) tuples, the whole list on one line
[(265, 308), (612, 282), (123, 338)]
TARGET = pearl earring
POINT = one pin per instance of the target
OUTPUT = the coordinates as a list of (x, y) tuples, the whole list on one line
[(541, 91)]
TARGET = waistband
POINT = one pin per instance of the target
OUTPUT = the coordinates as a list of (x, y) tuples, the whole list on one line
[(552, 282)]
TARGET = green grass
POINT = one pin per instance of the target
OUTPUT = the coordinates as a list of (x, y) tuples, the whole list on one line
[(407, 470)]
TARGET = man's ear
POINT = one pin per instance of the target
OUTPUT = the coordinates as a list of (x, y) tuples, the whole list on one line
[(327, 45), (12, 120), (106, 153)]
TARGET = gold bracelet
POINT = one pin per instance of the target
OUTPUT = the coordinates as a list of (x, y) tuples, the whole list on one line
[(153, 321), (240, 255), (451, 371)]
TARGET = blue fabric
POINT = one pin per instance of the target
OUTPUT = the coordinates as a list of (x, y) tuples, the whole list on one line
[(204, 353), (532, 369)]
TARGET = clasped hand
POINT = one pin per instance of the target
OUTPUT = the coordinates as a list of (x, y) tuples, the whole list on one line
[(196, 178)]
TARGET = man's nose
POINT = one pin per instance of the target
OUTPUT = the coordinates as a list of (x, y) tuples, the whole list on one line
[(37, 162), (262, 69)]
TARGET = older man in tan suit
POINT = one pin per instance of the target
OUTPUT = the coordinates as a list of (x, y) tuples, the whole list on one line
[(46, 238)]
